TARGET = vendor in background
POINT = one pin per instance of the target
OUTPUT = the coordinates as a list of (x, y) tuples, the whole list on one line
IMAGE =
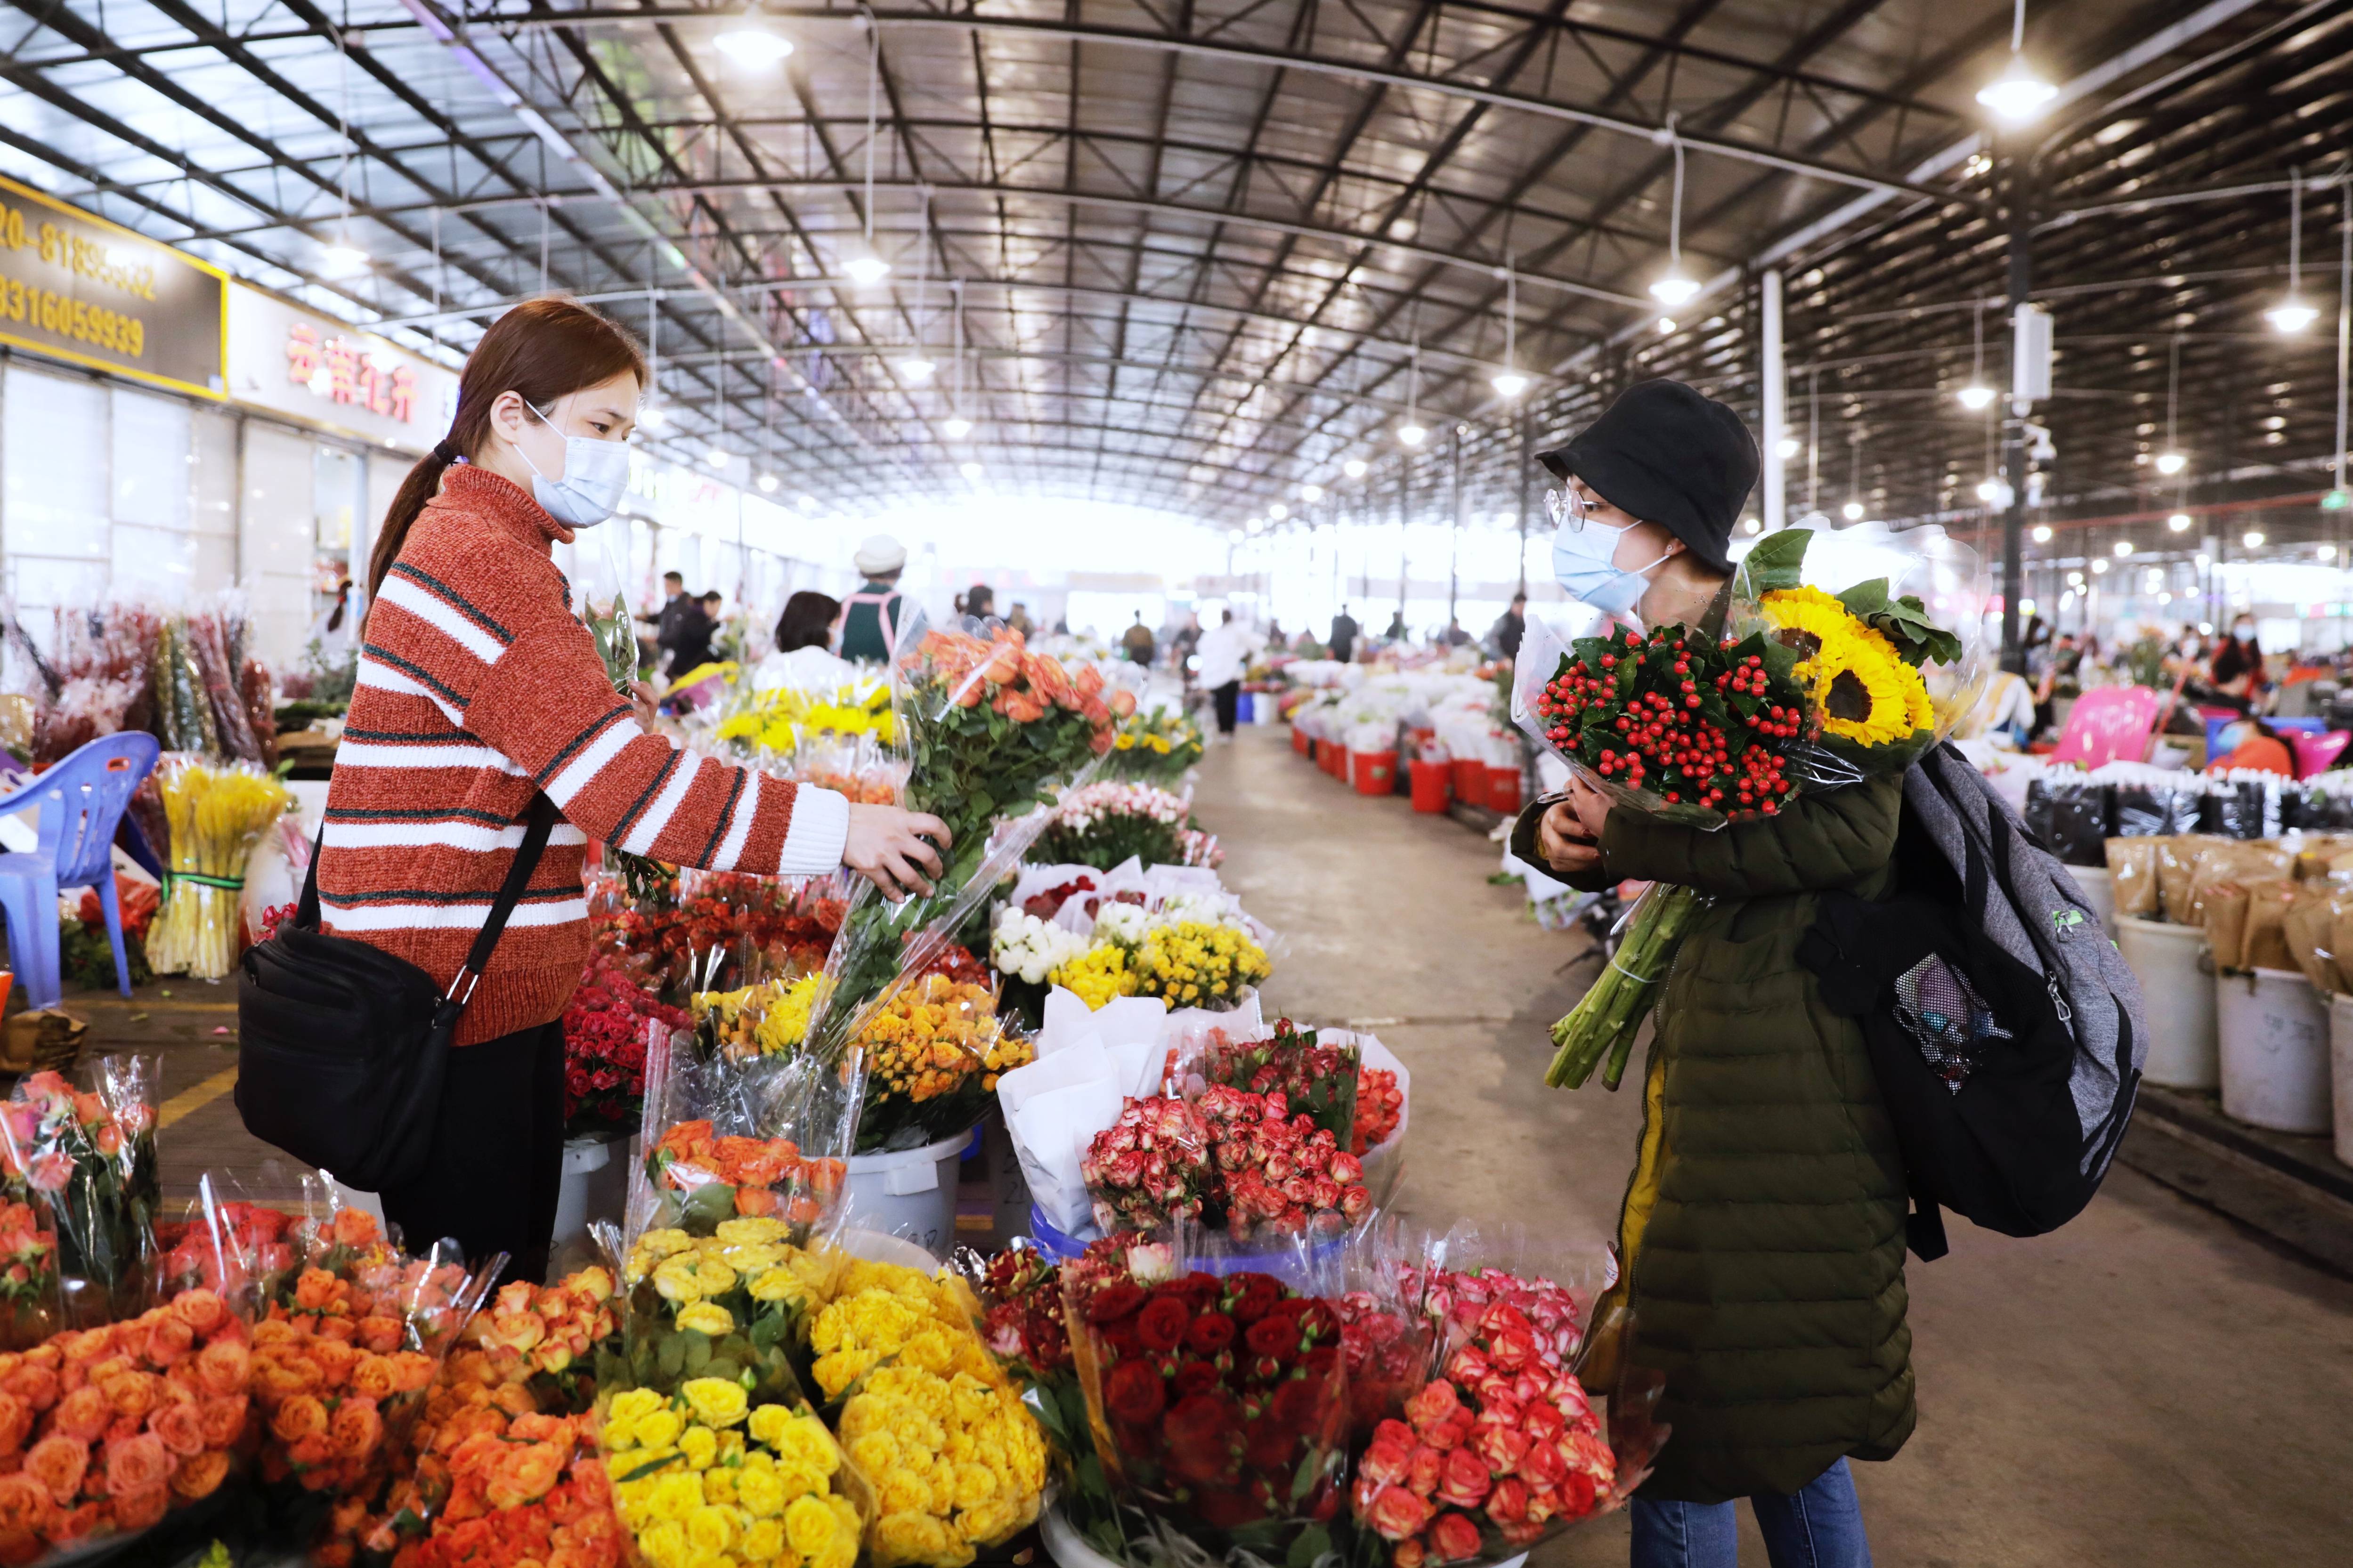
[(1224, 657), (2236, 674), (1344, 632), (1761, 1239), (803, 658), (2253, 744), (479, 691), (668, 621), (1136, 642), (1504, 637), (1181, 647), (979, 610), (1017, 620), (877, 620)]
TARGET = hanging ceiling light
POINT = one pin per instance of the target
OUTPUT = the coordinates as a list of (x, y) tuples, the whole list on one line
[(2292, 315), (1311, 494), (1672, 287), (1412, 434), (2178, 523), (916, 368), (1353, 468), (2099, 565), (750, 43), (342, 261), (1667, 325), (1852, 511), (769, 483), (2254, 539), (1278, 512), (2124, 547), (866, 271), (653, 416), (2171, 462), (955, 428), (719, 456), (2043, 533), (1788, 446), (2017, 95), (970, 470), (1508, 384), (1976, 398)]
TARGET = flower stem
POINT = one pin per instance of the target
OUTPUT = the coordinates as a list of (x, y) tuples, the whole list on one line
[(1605, 1022)]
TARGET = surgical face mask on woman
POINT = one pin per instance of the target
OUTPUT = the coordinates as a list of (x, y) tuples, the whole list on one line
[(589, 487), (2244, 631), (1585, 555)]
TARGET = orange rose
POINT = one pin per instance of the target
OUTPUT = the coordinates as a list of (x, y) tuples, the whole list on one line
[(180, 1427), (755, 1201), (25, 1504), (200, 1475), (517, 1331), (514, 1399), (277, 1333), (136, 1464), (381, 1334), (222, 1366), (78, 1523), (59, 1463), (86, 1347), (167, 1342), (222, 1418), (134, 1394), (356, 1429), (354, 1227), (16, 1423), (84, 1415), (37, 1386), (317, 1290), (314, 1453), (375, 1377), (341, 1329), (525, 1472), (336, 1360), (137, 1511), (298, 1417), (274, 1380), (412, 1369), (202, 1311)]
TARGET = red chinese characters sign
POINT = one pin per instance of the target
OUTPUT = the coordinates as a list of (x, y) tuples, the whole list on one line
[(350, 376)]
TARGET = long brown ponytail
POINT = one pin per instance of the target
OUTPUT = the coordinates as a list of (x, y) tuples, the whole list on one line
[(542, 349)]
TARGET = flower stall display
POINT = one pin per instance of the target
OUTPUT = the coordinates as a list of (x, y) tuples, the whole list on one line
[(678, 932), (1107, 824), (606, 1028), (218, 812), (1793, 688), (87, 1158), (770, 1018), (733, 1300), (1197, 963), (1315, 1077), (1241, 1162), (1157, 744), (703, 1475), (933, 1052)]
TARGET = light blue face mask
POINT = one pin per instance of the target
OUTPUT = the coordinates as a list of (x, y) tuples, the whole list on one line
[(1584, 559), (595, 475)]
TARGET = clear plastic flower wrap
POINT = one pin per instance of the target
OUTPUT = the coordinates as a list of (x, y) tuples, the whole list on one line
[(87, 1158)]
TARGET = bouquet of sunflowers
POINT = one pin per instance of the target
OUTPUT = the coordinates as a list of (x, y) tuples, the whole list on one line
[(1784, 686)]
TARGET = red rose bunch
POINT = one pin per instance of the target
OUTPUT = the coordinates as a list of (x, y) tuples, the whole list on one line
[(1490, 1455), (1675, 713), (256, 1241), (1315, 1079), (1049, 904), (1149, 1166), (1022, 1324), (605, 1046), (1380, 1106), (1459, 1299), (1279, 1173), (1225, 1399)]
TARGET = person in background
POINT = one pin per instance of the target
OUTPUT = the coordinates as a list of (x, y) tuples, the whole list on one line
[(1136, 642), (1187, 639), (1344, 632), (333, 628), (2253, 744), (2236, 673), (2057, 679), (1397, 632), (979, 610), (877, 620), (1020, 621), (1224, 657), (804, 658), (670, 619), (475, 662), (691, 647), (1504, 637), (1273, 632), (1761, 1239), (1455, 636)]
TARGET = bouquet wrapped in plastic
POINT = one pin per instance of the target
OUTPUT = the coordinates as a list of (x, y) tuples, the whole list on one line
[(1109, 823), (87, 1158), (768, 1480), (607, 1027), (216, 814), (1156, 745), (1808, 672)]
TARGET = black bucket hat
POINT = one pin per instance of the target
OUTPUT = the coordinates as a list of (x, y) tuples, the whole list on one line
[(1667, 455)]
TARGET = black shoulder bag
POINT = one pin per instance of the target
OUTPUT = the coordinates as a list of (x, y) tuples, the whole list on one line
[(341, 1046)]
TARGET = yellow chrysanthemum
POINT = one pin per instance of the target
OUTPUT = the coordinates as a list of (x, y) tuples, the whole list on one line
[(1862, 688)]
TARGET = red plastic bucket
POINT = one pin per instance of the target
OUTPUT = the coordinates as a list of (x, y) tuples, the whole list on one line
[(1503, 790), (1471, 780), (1299, 741), (1375, 772), (1434, 785)]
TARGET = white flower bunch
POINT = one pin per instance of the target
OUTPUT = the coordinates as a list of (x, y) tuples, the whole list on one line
[(1025, 945), (1126, 924)]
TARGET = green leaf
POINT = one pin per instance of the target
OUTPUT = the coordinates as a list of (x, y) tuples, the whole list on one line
[(1776, 561), (696, 1353), (1865, 600), (1312, 1543)]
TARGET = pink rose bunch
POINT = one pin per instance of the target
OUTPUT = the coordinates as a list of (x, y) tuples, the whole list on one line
[(1459, 1299), (1149, 1166), (1282, 1175), (1380, 1106), (605, 1046), (1490, 1455)]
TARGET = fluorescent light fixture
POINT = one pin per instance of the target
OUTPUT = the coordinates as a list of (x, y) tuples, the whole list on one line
[(2178, 523), (1353, 468), (769, 483), (2290, 316), (2098, 566), (2254, 539), (1976, 398), (806, 504), (1311, 494), (749, 42), (1278, 512), (2017, 95), (866, 271), (2075, 579), (1673, 289), (916, 368), (340, 260), (1788, 446), (2124, 547), (970, 470), (1753, 526), (2043, 533), (1508, 383), (2171, 462), (653, 416), (719, 456), (1852, 511), (955, 428), (1412, 434), (1666, 323), (2328, 553)]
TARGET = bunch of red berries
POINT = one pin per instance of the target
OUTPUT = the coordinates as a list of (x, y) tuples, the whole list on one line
[(1676, 714)]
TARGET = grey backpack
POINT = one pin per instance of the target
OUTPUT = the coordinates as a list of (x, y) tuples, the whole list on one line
[(2006, 1031)]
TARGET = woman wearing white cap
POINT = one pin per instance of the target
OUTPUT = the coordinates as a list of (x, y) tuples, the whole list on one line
[(877, 620)]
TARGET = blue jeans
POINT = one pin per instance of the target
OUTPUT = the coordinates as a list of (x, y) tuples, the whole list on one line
[(1820, 1527)]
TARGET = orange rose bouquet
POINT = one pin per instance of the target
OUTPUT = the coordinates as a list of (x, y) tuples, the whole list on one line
[(102, 1431)]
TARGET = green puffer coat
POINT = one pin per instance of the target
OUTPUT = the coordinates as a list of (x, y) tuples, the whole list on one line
[(1762, 1236)]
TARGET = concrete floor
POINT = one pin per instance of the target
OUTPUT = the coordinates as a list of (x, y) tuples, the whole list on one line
[(2152, 1385)]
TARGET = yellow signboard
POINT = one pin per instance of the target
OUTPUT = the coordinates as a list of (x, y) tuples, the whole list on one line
[(77, 287)]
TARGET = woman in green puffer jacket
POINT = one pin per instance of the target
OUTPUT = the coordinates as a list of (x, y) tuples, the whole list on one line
[(1761, 1240)]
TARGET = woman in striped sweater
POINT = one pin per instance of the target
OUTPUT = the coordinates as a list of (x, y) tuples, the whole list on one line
[(479, 689)]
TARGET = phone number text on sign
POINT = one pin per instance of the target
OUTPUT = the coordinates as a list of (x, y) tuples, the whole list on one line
[(67, 318), (76, 286)]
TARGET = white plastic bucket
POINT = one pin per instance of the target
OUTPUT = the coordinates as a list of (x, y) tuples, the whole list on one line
[(1069, 1549), (2098, 892), (910, 1194), (595, 1185), (2273, 1033), (2340, 1074), (2170, 962)]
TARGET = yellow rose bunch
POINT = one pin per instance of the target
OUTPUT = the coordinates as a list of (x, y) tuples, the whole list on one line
[(701, 1479), (956, 1461), (1096, 975), (1195, 963), (770, 1019), (774, 722), (883, 1312), (717, 1283)]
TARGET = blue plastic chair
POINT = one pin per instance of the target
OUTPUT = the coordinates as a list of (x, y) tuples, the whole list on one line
[(81, 800)]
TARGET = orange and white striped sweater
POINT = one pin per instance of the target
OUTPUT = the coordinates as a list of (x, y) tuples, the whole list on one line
[(478, 686)]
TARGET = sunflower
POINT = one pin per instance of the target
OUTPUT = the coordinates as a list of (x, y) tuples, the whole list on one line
[(1866, 692)]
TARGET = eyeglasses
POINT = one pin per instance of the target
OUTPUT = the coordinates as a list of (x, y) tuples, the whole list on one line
[(1571, 508)]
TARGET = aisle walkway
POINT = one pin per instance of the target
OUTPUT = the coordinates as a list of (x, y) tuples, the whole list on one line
[(2152, 1386)]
